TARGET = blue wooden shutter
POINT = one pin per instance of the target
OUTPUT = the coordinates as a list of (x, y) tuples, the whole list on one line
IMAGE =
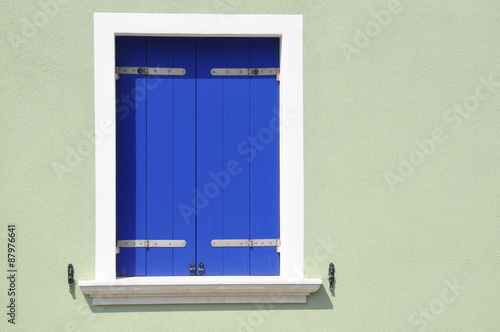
[(197, 142), (156, 151), (230, 110)]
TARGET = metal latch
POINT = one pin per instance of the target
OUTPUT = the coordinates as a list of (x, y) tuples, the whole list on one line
[(71, 278), (331, 276), (149, 244), (248, 243), (201, 269), (149, 71), (246, 72)]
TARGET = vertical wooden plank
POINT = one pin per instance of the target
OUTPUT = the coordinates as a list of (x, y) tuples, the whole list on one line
[(184, 162), (160, 156), (235, 176), (264, 156), (131, 156), (210, 152)]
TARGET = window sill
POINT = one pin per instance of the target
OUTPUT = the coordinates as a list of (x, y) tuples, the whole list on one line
[(207, 289)]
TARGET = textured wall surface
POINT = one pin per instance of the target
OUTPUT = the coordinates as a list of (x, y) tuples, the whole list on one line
[(402, 167)]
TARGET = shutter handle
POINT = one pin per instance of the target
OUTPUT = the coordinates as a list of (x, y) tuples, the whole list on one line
[(201, 269), (192, 269)]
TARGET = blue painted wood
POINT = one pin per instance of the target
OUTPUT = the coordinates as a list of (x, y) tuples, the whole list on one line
[(160, 156), (236, 218), (130, 156), (210, 158), (264, 156), (184, 160), (171, 155), (197, 155)]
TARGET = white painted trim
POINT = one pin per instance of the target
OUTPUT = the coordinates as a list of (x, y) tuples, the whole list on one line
[(289, 29), (171, 290)]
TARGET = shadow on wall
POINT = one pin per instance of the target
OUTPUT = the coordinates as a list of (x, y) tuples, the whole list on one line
[(319, 300)]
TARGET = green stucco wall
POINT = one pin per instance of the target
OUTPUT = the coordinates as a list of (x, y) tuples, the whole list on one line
[(402, 184)]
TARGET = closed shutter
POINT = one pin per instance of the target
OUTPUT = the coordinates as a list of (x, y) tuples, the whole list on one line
[(197, 156)]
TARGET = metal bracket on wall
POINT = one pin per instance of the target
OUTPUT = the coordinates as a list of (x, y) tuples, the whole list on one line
[(71, 278), (149, 244), (246, 72), (248, 243), (331, 277)]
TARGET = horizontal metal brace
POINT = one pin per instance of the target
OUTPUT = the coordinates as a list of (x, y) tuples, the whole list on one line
[(167, 71), (149, 244), (150, 71), (244, 71), (246, 243)]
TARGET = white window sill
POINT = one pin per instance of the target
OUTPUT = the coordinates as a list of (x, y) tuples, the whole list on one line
[(198, 289)]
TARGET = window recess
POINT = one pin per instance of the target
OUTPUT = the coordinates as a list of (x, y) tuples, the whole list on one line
[(226, 278)]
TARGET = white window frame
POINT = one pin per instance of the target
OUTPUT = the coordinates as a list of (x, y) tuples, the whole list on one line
[(290, 286)]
